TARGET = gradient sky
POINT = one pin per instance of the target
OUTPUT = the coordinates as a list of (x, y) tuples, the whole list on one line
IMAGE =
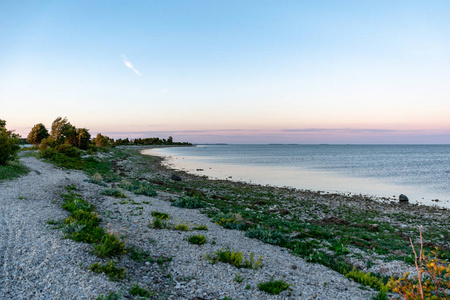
[(230, 71)]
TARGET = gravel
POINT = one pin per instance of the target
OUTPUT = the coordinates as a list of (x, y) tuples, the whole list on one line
[(37, 263)]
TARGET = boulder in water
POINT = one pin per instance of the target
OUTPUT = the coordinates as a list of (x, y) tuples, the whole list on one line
[(403, 198)]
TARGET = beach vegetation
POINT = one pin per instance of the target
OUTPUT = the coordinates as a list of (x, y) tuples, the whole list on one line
[(266, 235), (110, 245), (109, 268), (235, 258), (197, 239), (9, 144), (273, 287), (239, 278), (188, 202), (110, 296), (11, 170), (200, 227), (37, 134), (136, 290), (182, 226), (160, 215)]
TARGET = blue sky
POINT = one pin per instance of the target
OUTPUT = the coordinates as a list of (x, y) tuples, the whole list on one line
[(230, 71)]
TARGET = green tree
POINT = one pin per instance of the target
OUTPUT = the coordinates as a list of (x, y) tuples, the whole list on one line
[(63, 132), (101, 140), (37, 134), (83, 138), (9, 144)]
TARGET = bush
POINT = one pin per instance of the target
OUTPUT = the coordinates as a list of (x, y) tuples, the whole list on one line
[(235, 258), (110, 245), (114, 273), (160, 215), (9, 144), (136, 290), (188, 202), (197, 239), (273, 287)]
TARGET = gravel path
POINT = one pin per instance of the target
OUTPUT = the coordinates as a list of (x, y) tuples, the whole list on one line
[(37, 263)]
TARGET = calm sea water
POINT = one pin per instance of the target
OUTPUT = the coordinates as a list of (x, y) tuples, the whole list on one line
[(422, 172)]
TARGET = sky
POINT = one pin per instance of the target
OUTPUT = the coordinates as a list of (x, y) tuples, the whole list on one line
[(303, 71)]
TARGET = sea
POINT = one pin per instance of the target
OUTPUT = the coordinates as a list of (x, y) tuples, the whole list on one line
[(421, 172)]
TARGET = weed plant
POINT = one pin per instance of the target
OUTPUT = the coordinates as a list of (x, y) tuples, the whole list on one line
[(110, 296), (136, 290), (235, 258), (239, 278), (273, 287), (200, 227), (160, 215), (110, 245), (197, 239), (114, 273), (188, 202), (182, 226), (12, 170)]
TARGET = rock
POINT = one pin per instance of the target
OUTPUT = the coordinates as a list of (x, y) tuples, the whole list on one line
[(403, 198), (175, 177)]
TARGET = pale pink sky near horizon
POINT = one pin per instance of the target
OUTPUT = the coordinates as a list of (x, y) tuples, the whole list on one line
[(230, 71)]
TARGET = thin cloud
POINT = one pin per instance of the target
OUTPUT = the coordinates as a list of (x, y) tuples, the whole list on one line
[(128, 64)]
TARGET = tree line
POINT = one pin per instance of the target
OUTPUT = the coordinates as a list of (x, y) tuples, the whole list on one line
[(65, 137)]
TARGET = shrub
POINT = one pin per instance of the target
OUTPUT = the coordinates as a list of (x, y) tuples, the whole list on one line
[(114, 273), (159, 223), (200, 227), (136, 290), (145, 190), (367, 279), (181, 226), (197, 239), (110, 296), (230, 221), (432, 280), (235, 258), (270, 236), (273, 287), (188, 202), (9, 144), (110, 245), (160, 215)]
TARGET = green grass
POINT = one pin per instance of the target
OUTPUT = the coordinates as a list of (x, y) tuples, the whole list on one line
[(12, 170), (160, 215), (110, 245), (197, 239), (200, 227), (136, 290), (188, 202), (109, 268), (235, 258), (273, 287)]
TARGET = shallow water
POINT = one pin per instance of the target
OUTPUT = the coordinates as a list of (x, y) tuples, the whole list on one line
[(422, 172)]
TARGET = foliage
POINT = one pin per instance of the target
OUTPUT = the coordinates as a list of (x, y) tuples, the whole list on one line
[(113, 193), (136, 290), (82, 138), (200, 227), (270, 236), (273, 287), (145, 190), (235, 258), (9, 144), (160, 215), (37, 134), (367, 279), (188, 202), (197, 239), (110, 245), (239, 278), (114, 273), (230, 221), (63, 132), (432, 280), (159, 223), (182, 226), (101, 140), (12, 170)]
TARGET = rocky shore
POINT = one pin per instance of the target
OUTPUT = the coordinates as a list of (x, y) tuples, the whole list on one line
[(36, 262)]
